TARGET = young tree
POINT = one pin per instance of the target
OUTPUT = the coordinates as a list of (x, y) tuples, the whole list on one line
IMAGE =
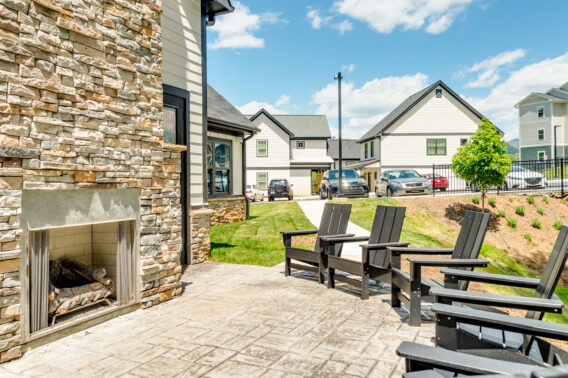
[(483, 161)]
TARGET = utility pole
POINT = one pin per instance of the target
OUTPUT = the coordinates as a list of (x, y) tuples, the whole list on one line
[(339, 77)]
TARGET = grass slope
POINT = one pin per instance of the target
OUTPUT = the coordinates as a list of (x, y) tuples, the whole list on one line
[(258, 240), (425, 231)]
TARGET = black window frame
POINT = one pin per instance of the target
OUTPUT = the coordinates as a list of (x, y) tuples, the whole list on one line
[(437, 147), (538, 113), (366, 150), (372, 149), (297, 145), (438, 92), (538, 134), (463, 141), (211, 171)]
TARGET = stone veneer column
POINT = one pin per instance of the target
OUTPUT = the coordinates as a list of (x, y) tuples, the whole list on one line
[(227, 210), (81, 108), (200, 232)]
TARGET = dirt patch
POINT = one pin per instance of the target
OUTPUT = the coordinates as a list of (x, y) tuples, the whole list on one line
[(304, 240), (533, 253)]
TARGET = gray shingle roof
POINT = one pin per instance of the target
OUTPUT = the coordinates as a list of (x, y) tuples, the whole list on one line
[(222, 111), (305, 126), (406, 105), (350, 147)]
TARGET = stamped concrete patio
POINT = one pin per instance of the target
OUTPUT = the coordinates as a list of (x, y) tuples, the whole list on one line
[(237, 320)]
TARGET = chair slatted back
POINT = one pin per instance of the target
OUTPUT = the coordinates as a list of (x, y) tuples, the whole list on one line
[(334, 221), (386, 228), (470, 239), (550, 277)]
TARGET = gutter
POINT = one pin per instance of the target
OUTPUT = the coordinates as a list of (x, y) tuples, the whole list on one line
[(244, 174)]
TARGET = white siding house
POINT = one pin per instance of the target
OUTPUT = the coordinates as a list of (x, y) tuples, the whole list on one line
[(543, 119), (425, 129), (293, 147)]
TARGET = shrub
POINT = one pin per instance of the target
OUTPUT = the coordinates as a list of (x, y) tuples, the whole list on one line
[(557, 225), (528, 237), (520, 210), (540, 211), (564, 201), (511, 200), (512, 222), (501, 214), (492, 201), (475, 200), (536, 223), (545, 199), (530, 199)]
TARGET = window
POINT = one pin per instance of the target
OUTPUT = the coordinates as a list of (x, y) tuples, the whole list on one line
[(261, 180), (541, 155), (436, 146), (261, 148), (218, 166), (300, 144), (438, 93), (366, 150), (463, 141), (372, 148), (170, 123), (540, 134), (540, 111)]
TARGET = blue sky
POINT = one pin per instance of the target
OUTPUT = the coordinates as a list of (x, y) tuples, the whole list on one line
[(283, 55)]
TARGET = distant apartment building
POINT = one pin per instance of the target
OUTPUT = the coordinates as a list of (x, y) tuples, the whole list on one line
[(543, 118)]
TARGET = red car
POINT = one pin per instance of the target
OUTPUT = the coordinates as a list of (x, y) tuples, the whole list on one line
[(441, 182)]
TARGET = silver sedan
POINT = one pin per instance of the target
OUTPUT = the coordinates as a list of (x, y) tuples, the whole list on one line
[(401, 182)]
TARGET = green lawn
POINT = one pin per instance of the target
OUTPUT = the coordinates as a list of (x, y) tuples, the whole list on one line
[(258, 240), (424, 231)]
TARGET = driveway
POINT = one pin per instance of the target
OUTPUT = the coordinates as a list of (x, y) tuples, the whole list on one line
[(314, 210), (237, 320)]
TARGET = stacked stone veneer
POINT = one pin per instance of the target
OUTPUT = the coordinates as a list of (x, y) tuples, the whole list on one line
[(81, 108), (227, 210)]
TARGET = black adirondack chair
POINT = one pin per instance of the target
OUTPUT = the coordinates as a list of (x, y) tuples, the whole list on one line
[(334, 221), (411, 288), (472, 334), (424, 361), (374, 264)]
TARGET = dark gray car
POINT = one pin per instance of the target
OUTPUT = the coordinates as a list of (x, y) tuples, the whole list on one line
[(280, 188), (401, 182), (353, 184)]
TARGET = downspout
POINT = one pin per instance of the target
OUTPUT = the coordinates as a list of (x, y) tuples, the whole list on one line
[(244, 173)]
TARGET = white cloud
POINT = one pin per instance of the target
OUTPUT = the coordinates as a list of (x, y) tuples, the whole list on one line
[(236, 30), (348, 67), (314, 16), (343, 26), (489, 68), (363, 107), (283, 100), (435, 16), (254, 106), (536, 77)]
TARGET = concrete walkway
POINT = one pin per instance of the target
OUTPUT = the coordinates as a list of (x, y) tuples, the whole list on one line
[(237, 320), (314, 210)]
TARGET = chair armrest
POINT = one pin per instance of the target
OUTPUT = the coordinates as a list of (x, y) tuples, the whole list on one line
[(490, 278), (383, 245), (433, 357), (397, 251), (343, 238), (299, 232), (444, 295), (466, 263), (464, 314)]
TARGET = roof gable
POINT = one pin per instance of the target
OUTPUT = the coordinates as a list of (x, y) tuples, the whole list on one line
[(299, 126), (546, 96), (408, 104)]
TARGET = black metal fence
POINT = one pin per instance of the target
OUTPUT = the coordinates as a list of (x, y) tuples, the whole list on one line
[(533, 176)]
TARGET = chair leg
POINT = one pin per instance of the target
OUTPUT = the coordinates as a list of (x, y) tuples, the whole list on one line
[(395, 292), (287, 267), (415, 314), (365, 285), (330, 278), (321, 271)]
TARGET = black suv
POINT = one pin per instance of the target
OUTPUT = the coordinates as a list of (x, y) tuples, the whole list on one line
[(279, 188), (353, 184)]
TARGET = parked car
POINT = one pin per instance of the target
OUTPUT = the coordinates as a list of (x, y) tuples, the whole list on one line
[(280, 188), (519, 178), (440, 183), (353, 184), (253, 193), (400, 182)]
